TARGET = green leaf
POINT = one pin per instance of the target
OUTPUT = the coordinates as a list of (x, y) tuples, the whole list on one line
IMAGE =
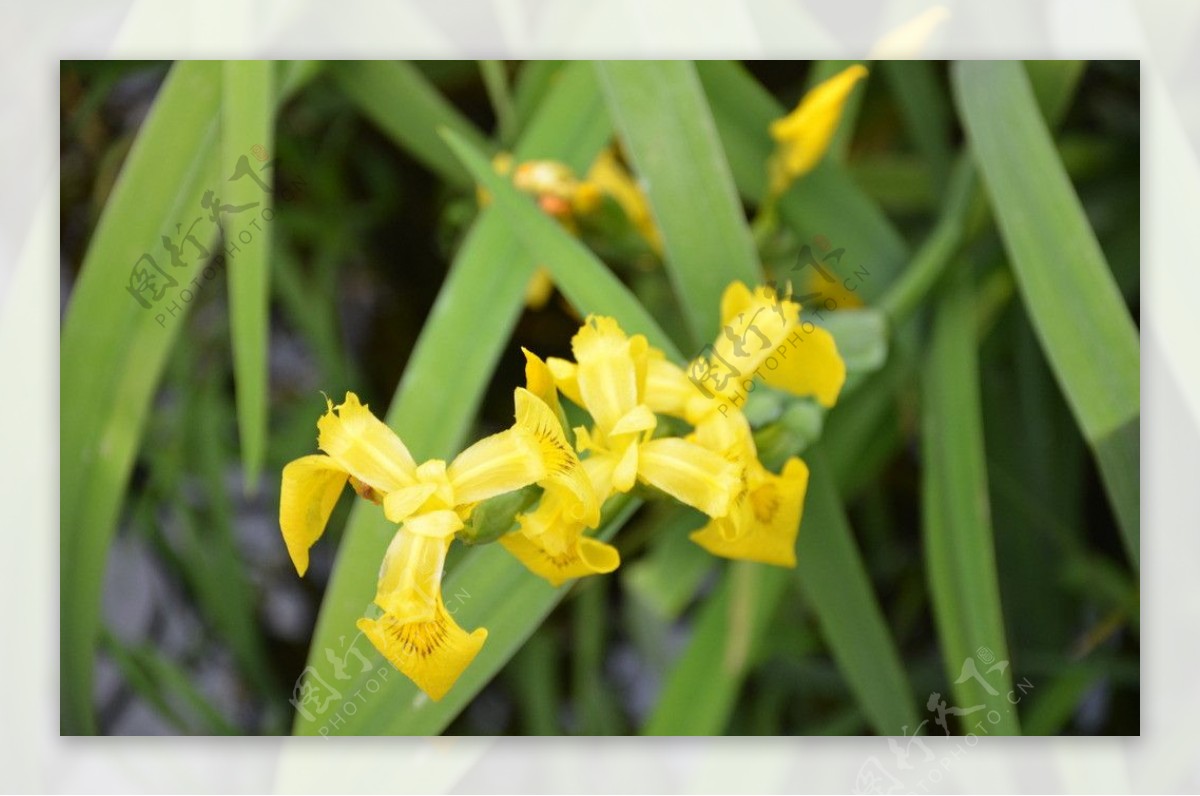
[(668, 133), (699, 695), (959, 550), (834, 581), (922, 102), (247, 123), (398, 98), (1063, 278), (113, 349), (581, 276)]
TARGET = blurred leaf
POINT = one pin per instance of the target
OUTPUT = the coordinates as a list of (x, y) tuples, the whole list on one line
[(861, 336), (247, 124), (113, 349), (167, 687), (925, 109), (668, 133), (959, 549), (701, 690), (1061, 272), (495, 81), (669, 575), (398, 98), (533, 81), (834, 581)]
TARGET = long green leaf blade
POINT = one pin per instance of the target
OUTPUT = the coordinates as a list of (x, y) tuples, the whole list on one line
[(665, 124), (246, 125), (1064, 279), (959, 548), (113, 348)]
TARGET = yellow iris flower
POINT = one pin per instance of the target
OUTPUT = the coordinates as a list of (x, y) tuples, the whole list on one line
[(608, 379), (803, 136), (762, 336), (429, 502)]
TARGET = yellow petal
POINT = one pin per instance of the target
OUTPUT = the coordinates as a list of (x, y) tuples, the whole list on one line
[(690, 473), (735, 300), (494, 465), (754, 330), (637, 420), (771, 513), (539, 380), (566, 377), (807, 364), (410, 580), (607, 373), (585, 556), (805, 133), (625, 471), (433, 654), (364, 446), (310, 489), (558, 458), (398, 506)]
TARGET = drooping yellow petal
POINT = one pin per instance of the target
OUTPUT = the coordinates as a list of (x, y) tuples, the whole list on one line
[(410, 580), (807, 364), (607, 373), (771, 515), (433, 653), (804, 135), (310, 489), (364, 446), (690, 473), (584, 556)]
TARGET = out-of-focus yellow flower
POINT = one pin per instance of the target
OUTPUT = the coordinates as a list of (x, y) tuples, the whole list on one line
[(608, 177), (802, 137), (608, 379)]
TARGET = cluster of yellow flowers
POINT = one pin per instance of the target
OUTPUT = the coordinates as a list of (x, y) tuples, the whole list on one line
[(626, 386)]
